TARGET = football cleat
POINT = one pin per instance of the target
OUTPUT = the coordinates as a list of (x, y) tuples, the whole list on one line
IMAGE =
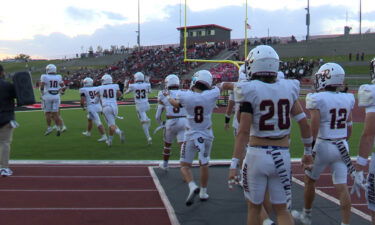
[(192, 193), (104, 138), (108, 142), (163, 166), (48, 131), (203, 196), (149, 140), (6, 172), (122, 136), (63, 129), (86, 133), (305, 218), (58, 133)]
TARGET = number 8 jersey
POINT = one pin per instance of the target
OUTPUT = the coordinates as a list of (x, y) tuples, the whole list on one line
[(334, 108), (271, 104)]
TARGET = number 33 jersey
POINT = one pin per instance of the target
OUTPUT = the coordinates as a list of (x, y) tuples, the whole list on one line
[(334, 108), (271, 104), (140, 91), (199, 108)]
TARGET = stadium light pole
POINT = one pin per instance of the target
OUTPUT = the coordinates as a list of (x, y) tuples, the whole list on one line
[(139, 29), (308, 20), (360, 16)]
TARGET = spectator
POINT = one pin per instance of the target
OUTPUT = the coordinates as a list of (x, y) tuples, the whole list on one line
[(350, 56), (7, 123), (362, 56), (357, 56)]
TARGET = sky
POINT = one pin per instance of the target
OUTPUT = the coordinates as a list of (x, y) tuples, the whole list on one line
[(55, 29)]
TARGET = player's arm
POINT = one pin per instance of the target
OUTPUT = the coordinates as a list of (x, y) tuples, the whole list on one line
[(159, 112), (228, 113), (315, 122), (242, 138), (82, 102), (349, 126), (366, 141), (118, 94), (300, 117), (225, 86)]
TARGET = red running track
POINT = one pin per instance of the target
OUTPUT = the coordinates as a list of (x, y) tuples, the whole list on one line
[(325, 185), (80, 195)]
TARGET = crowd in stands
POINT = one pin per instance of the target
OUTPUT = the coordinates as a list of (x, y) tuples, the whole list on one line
[(155, 63), (298, 69)]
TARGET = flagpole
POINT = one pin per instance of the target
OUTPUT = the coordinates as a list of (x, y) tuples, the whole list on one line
[(246, 32)]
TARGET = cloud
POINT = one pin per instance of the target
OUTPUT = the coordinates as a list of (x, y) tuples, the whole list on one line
[(324, 20), (114, 16), (80, 14)]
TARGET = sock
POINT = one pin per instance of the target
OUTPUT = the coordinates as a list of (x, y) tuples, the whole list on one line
[(268, 221), (203, 190), (165, 163), (306, 211), (146, 127), (104, 136), (118, 131), (110, 138), (88, 132), (344, 224), (192, 185)]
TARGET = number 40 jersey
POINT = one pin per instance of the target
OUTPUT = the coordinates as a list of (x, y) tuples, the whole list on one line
[(334, 108), (270, 103)]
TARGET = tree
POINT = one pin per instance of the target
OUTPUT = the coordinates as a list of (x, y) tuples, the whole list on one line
[(22, 57)]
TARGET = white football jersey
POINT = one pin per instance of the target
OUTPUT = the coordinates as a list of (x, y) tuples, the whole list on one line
[(366, 97), (199, 108), (334, 108), (90, 94), (108, 94), (236, 108), (271, 105), (140, 91), (169, 109), (52, 83)]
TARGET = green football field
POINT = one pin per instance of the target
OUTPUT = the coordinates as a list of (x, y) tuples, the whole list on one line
[(30, 143)]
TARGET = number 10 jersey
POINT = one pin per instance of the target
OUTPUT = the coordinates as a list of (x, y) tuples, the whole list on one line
[(271, 104)]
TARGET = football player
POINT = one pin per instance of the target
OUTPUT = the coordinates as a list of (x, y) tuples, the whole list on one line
[(90, 102), (199, 103), (108, 94), (266, 105), (51, 87), (366, 98), (176, 118), (141, 89), (331, 125)]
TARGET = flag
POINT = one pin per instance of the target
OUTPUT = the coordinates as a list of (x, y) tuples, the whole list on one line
[(248, 26), (368, 31)]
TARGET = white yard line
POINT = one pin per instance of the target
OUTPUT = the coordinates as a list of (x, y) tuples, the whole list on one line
[(80, 177), (83, 209), (164, 198), (335, 200), (80, 190)]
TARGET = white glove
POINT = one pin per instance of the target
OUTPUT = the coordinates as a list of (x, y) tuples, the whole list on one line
[(359, 183)]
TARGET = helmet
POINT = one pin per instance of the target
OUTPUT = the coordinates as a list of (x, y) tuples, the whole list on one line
[(88, 82), (106, 79), (172, 80), (330, 74), (139, 76), (372, 69), (262, 61), (202, 76), (50, 68), (242, 73)]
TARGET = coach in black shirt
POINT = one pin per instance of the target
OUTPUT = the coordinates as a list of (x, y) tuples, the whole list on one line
[(7, 96)]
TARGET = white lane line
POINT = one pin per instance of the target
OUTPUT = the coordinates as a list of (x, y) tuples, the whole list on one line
[(302, 174), (83, 209), (80, 190), (334, 200), (359, 204), (80, 177), (164, 198)]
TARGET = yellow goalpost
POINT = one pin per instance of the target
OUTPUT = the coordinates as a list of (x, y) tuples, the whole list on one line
[(236, 63)]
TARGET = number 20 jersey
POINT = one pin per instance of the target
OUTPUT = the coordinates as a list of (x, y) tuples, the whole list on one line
[(334, 108), (271, 104)]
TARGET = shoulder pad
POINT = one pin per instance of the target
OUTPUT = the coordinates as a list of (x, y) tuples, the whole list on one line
[(365, 96), (311, 101)]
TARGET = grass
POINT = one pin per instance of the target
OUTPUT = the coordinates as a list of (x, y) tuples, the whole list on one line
[(29, 142)]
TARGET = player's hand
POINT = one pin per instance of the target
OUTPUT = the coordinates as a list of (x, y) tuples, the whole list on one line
[(359, 183), (307, 162), (232, 178), (226, 126), (165, 92)]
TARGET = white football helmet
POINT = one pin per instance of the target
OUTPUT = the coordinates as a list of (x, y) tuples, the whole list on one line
[(329, 74), (139, 76), (107, 79), (262, 61), (88, 82), (172, 80), (202, 76), (372, 70), (50, 68), (242, 73)]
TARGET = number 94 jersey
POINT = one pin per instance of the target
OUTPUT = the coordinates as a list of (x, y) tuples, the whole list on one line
[(334, 108), (169, 109), (271, 104)]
